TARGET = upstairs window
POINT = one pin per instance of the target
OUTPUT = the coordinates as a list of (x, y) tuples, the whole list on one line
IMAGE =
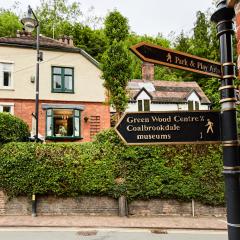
[(6, 75), (62, 80), (144, 105)]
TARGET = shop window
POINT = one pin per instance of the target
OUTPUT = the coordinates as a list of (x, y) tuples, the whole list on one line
[(63, 123)]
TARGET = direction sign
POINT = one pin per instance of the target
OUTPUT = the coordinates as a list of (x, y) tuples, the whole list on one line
[(194, 127), (176, 59)]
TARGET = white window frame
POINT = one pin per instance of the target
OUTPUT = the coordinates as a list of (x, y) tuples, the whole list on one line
[(2, 62), (7, 104)]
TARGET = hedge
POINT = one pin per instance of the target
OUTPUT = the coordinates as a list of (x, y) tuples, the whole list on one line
[(108, 167), (12, 129)]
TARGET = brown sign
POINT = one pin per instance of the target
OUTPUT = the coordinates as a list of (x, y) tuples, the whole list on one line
[(176, 59), (145, 128)]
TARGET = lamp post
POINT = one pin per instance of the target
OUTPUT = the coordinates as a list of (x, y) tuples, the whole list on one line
[(30, 23)]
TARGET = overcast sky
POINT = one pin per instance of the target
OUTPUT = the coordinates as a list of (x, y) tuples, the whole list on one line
[(145, 16)]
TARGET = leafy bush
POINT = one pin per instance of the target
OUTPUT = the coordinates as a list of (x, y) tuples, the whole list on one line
[(108, 167), (12, 129)]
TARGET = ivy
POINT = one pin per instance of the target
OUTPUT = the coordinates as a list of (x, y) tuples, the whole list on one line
[(108, 167)]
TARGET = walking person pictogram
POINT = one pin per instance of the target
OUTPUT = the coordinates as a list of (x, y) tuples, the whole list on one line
[(209, 125), (169, 57)]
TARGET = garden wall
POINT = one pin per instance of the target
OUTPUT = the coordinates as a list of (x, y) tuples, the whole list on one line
[(104, 206)]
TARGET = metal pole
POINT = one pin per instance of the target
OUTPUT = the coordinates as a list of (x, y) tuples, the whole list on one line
[(223, 17), (34, 206), (37, 83)]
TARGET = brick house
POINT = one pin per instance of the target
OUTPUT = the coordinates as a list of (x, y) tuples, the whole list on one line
[(71, 96), (147, 94)]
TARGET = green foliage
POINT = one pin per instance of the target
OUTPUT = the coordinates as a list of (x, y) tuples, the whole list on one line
[(116, 27), (203, 43), (116, 73), (93, 42), (9, 23), (116, 61), (56, 17), (108, 167), (12, 129)]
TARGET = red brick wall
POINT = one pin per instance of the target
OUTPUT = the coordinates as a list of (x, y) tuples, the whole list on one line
[(24, 109)]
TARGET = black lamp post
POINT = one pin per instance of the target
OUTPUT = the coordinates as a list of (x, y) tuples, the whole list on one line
[(223, 16), (30, 23)]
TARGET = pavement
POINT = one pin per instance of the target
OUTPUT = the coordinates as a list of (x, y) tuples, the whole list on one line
[(160, 222)]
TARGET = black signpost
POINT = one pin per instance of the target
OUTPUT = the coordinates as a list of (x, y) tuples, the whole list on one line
[(176, 59), (196, 127), (169, 127), (223, 16)]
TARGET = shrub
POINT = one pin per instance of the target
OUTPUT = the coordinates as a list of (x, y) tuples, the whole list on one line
[(108, 167), (12, 129)]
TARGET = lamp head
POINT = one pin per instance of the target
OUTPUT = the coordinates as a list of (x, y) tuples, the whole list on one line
[(29, 22)]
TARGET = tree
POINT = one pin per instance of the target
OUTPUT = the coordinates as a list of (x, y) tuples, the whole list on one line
[(203, 43), (116, 73), (116, 61), (9, 23), (116, 27), (93, 42), (57, 17)]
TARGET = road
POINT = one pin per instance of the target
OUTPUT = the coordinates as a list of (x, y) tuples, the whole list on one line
[(106, 234)]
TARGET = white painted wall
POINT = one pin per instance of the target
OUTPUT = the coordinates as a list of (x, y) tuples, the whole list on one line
[(88, 85)]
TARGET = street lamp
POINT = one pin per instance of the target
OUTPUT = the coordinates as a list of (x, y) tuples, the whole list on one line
[(30, 23)]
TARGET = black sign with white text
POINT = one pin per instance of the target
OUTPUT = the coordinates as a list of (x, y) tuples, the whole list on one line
[(176, 59), (169, 127)]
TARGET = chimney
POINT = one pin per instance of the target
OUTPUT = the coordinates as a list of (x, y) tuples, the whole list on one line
[(147, 71), (23, 33), (66, 40)]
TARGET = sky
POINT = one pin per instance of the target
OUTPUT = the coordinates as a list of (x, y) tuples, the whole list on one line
[(145, 16)]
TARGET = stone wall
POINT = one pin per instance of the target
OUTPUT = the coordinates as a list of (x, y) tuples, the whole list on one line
[(104, 206)]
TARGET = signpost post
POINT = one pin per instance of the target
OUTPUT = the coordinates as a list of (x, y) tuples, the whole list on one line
[(169, 127), (223, 16)]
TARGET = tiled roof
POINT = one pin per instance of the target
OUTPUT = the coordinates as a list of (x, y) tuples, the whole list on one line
[(28, 41), (31, 41), (166, 91)]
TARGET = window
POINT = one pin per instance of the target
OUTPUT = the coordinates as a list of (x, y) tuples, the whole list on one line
[(6, 75), (63, 123), (6, 107), (62, 79), (196, 105), (193, 105), (190, 105), (143, 105)]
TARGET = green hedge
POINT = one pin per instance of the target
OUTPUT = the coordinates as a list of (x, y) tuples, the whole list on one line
[(107, 167), (12, 129)]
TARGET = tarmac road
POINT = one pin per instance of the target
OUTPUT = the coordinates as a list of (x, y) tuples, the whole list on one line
[(30, 233)]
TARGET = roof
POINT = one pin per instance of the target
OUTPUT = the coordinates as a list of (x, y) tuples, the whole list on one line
[(166, 91), (45, 43)]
